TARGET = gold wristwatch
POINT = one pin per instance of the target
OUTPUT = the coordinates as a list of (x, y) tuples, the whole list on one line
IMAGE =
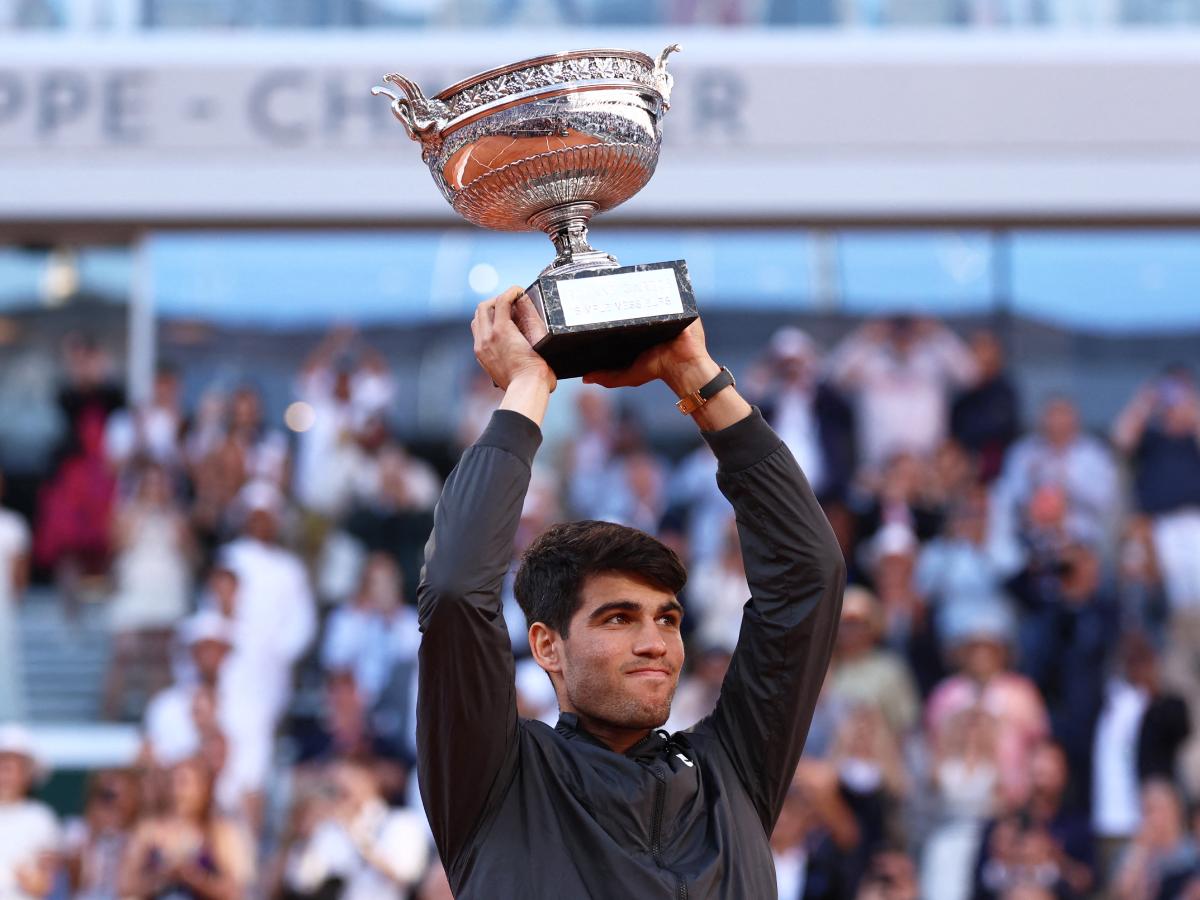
[(696, 399)]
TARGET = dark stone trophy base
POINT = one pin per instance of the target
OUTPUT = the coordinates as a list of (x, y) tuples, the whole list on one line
[(604, 318)]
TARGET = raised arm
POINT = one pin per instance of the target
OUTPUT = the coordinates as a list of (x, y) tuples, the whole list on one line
[(793, 565), (796, 576), (466, 706)]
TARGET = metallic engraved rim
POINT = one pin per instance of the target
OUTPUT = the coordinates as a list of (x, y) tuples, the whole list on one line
[(562, 56), (549, 92), (604, 174)]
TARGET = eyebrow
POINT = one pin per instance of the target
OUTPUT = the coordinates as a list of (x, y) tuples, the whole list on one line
[(612, 606)]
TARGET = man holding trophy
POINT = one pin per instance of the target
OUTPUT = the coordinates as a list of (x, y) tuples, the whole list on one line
[(606, 804)]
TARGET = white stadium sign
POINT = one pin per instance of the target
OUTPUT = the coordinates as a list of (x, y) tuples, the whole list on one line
[(226, 129)]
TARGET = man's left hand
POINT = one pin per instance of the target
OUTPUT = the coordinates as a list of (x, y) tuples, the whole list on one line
[(683, 363)]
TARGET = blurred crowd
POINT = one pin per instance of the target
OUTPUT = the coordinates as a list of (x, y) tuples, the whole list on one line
[(1008, 713)]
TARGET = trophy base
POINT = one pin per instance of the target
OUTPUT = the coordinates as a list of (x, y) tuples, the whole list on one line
[(605, 318)]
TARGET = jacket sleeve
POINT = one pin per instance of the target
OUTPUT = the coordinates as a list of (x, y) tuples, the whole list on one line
[(796, 575), (466, 701)]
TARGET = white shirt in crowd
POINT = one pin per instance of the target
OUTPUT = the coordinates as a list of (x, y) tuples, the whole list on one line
[(328, 456), (1116, 807), (170, 728), (797, 426), (370, 644), (27, 830), (902, 400), (791, 871), (275, 619), (395, 837)]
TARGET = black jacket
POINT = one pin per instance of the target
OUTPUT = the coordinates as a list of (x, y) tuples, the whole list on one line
[(521, 810)]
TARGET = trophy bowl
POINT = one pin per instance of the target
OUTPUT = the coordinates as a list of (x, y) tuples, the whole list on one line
[(543, 145)]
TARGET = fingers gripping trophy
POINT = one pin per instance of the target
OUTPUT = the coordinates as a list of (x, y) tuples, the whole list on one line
[(543, 145)]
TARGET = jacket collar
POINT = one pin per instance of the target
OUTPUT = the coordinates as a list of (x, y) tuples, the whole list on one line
[(651, 746)]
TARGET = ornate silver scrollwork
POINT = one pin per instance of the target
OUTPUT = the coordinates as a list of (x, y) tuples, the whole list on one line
[(423, 118), (663, 80)]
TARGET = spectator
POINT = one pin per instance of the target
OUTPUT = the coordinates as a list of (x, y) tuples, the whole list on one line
[(958, 572), (985, 418), (871, 778), (343, 730), (150, 431), (1162, 855), (1060, 456), (1068, 616), (1138, 735), (1160, 431), (263, 450), (345, 388), (814, 833), (71, 533), (903, 494), (374, 633), (481, 398), (153, 575), (395, 514), (588, 456), (901, 371), (355, 847), (1059, 834), (966, 781), (891, 876), (809, 415), (1141, 598), (30, 841), (14, 576), (980, 652), (180, 718), (719, 591), (639, 497), (865, 673), (276, 615), (907, 625), (698, 691), (188, 850), (95, 843)]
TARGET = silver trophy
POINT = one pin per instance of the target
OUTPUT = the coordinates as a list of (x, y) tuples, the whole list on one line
[(543, 145)]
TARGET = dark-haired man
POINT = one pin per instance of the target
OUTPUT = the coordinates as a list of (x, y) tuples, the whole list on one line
[(607, 805)]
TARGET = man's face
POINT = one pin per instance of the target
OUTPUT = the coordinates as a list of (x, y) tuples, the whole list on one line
[(621, 663), (16, 774), (1060, 422), (209, 656)]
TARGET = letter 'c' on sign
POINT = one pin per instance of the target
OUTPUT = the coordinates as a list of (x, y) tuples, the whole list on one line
[(265, 106)]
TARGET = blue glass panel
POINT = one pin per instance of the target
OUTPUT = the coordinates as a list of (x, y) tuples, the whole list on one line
[(281, 278), (940, 272), (1109, 281)]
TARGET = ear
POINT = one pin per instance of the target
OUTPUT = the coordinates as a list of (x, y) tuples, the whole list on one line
[(546, 645)]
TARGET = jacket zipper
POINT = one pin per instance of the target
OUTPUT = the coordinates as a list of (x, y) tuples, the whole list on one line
[(660, 796)]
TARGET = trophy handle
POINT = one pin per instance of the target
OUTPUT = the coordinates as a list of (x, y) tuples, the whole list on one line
[(662, 78), (421, 117)]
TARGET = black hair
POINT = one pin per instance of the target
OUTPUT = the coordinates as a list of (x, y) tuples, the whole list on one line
[(556, 565)]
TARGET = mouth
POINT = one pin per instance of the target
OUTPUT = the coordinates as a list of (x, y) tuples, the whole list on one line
[(649, 673)]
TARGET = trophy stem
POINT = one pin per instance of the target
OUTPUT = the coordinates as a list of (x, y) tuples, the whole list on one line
[(567, 226)]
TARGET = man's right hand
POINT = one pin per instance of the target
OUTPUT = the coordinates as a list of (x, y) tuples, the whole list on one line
[(500, 346)]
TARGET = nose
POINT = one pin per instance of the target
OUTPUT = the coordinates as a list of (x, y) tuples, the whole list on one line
[(650, 643)]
